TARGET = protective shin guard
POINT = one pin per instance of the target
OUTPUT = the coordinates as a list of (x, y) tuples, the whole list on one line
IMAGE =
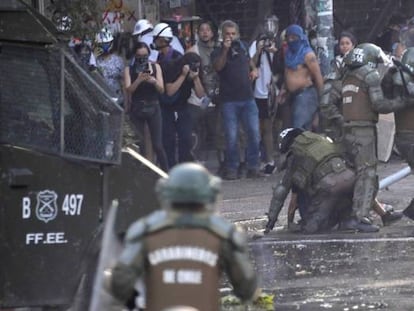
[(365, 191)]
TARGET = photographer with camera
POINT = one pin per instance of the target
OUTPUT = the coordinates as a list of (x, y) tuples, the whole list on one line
[(263, 52), (204, 110), (236, 71), (144, 82), (182, 76)]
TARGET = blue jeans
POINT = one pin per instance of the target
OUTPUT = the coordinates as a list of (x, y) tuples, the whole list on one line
[(304, 106), (246, 112)]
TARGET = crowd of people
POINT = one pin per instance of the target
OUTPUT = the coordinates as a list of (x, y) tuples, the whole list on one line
[(333, 174), (221, 92), (239, 97), (251, 99)]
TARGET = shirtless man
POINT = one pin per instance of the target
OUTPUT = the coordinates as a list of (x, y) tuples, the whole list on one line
[(303, 78), (303, 83)]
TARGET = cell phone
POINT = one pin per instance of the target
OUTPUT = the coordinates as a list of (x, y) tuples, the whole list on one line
[(147, 71)]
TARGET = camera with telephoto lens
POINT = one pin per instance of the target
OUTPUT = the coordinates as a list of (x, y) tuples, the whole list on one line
[(267, 43), (267, 40), (236, 47)]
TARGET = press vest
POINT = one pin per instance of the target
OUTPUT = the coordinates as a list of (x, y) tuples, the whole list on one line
[(356, 104), (182, 269), (310, 150)]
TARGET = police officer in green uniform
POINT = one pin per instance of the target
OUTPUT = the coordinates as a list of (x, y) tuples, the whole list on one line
[(182, 249), (400, 84), (315, 166), (362, 100), (330, 104), (403, 90)]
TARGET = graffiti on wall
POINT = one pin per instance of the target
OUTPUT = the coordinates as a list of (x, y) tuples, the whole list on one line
[(118, 16)]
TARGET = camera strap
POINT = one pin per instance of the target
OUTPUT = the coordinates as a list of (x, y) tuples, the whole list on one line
[(269, 59)]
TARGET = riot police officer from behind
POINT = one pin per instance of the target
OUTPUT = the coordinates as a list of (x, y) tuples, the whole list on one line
[(399, 82), (315, 167), (182, 249), (330, 104), (362, 100), (404, 84)]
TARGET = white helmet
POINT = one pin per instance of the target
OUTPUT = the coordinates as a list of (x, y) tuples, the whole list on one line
[(162, 30), (104, 36), (141, 26)]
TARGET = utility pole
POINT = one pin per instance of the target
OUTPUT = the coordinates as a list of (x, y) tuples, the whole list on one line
[(140, 12), (325, 32)]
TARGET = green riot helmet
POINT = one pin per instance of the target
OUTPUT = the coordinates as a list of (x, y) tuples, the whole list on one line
[(365, 54), (188, 183), (407, 36), (406, 67), (408, 61), (286, 138)]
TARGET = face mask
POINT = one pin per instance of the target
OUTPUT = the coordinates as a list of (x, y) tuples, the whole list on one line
[(294, 45), (314, 42), (106, 47), (141, 60), (157, 47)]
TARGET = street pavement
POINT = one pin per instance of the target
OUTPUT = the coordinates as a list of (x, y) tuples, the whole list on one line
[(332, 271)]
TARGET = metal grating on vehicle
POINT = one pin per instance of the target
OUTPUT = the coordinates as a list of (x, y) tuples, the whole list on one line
[(84, 123)]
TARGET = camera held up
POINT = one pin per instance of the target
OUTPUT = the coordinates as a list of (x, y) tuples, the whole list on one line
[(194, 66), (236, 47), (141, 64)]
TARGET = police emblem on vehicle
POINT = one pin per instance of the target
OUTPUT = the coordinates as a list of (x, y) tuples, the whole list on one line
[(46, 208)]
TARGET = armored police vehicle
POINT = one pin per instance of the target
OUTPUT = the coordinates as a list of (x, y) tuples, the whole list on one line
[(61, 166)]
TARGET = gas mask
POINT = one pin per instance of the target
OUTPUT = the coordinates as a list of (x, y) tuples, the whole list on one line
[(271, 25), (157, 46), (154, 46), (106, 47)]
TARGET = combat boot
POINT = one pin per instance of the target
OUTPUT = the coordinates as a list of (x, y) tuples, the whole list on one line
[(352, 224), (391, 216), (409, 211)]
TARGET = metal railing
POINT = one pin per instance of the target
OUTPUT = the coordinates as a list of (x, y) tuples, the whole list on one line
[(48, 102)]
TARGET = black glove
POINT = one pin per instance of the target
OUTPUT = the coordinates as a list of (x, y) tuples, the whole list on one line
[(130, 303), (336, 132), (410, 89), (270, 224)]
